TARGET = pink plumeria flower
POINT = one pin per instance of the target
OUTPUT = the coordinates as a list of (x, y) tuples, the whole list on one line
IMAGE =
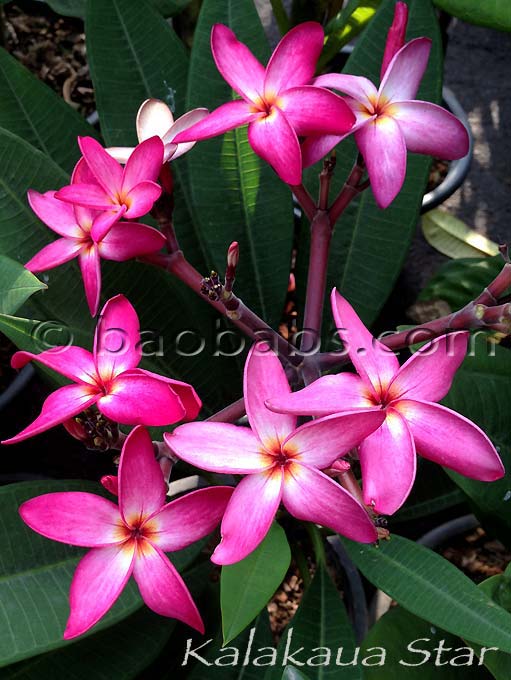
[(109, 378), (278, 102), (128, 539), (281, 463), (100, 183), (154, 117), (75, 224), (407, 396), (391, 121)]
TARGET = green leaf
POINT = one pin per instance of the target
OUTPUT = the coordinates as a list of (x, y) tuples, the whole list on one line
[(292, 673), (494, 14), (452, 237), (76, 8), (17, 284), (237, 196), (34, 112), (246, 587), (346, 26), (445, 501), (499, 589), (432, 588)]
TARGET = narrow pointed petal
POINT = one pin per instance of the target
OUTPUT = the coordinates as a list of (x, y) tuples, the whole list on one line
[(249, 515), (106, 170), (144, 164), (358, 87), (97, 583), (320, 442), (141, 485), (154, 117), (127, 240), (428, 374), (117, 340), (188, 519), (56, 214), (54, 254), (74, 517), (225, 118), (238, 66), (141, 400), (183, 123), (186, 393), (430, 129), (314, 111), (142, 198), (218, 447), (375, 364), (273, 138), (405, 71), (388, 462), (89, 195), (447, 438), (72, 362), (293, 62), (311, 496), (62, 404), (263, 379), (105, 221), (120, 153), (90, 266), (162, 588), (326, 395), (383, 147), (395, 36)]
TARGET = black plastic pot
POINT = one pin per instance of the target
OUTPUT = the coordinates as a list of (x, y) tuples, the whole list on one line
[(17, 386)]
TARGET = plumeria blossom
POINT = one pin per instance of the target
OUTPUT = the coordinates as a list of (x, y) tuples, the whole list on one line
[(278, 103), (407, 395), (75, 225), (154, 117), (128, 539), (99, 182), (281, 463), (390, 121), (109, 378)]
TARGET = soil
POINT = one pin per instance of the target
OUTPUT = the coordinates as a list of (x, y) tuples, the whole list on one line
[(477, 555)]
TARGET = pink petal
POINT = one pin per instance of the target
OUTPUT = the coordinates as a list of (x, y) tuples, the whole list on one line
[(405, 71), (186, 393), (326, 395), (144, 164), (97, 583), (154, 117), (238, 66), (293, 62), (315, 148), (56, 214), (395, 36), (183, 123), (273, 138), (188, 519), (107, 171), (142, 198), (54, 254), (90, 266), (249, 515), (73, 362), (383, 147), (88, 195), (388, 462), (85, 217), (74, 517), (265, 378), (62, 404), (117, 345), (430, 129), (358, 87), (120, 153), (105, 221), (428, 374), (141, 400), (127, 240), (111, 483), (227, 117), (141, 485), (162, 588), (311, 496), (375, 364), (320, 442), (314, 110), (218, 447), (82, 174), (447, 438)]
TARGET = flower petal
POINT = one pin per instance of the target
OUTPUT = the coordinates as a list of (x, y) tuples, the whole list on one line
[(226, 117), (117, 340), (111, 483), (54, 254), (162, 588), (358, 87), (396, 35), (127, 240), (73, 362), (249, 515), (404, 73), (314, 111), (428, 374), (144, 164), (311, 496), (88, 195), (107, 171), (120, 153), (186, 393), (74, 517), (60, 405), (105, 221), (56, 214), (238, 66), (293, 62), (183, 123), (447, 438), (430, 129), (97, 583), (189, 518), (90, 266), (388, 462), (142, 198), (383, 147), (315, 148), (154, 117), (141, 485), (218, 447)]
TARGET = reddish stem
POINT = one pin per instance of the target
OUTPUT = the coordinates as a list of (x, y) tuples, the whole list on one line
[(229, 414)]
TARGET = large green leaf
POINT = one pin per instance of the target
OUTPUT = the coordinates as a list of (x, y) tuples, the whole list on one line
[(452, 237), (236, 195), (499, 589), (434, 589), (17, 284), (491, 13), (246, 587), (76, 8), (292, 673)]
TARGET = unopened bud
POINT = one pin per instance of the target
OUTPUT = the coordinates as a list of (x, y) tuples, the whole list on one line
[(233, 254), (111, 483), (167, 179), (395, 36)]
